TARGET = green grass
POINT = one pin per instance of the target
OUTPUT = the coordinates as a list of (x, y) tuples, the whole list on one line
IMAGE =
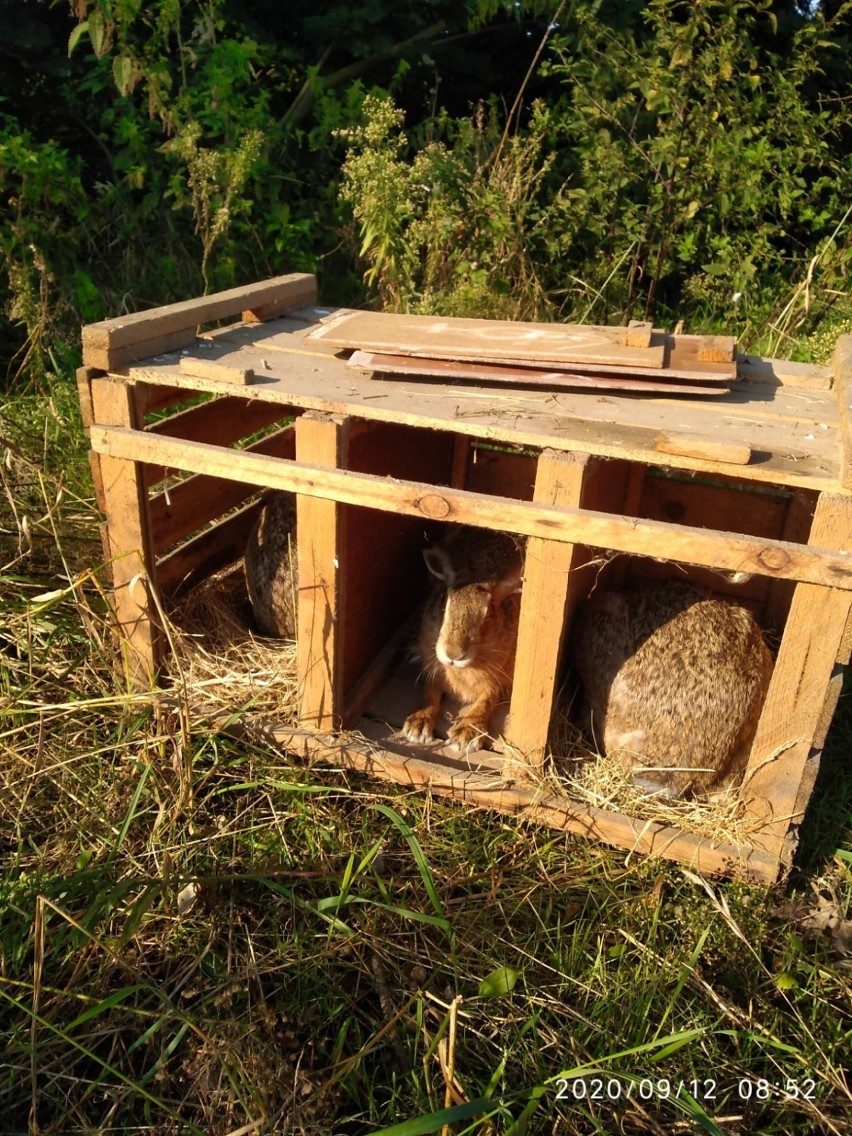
[(200, 936)]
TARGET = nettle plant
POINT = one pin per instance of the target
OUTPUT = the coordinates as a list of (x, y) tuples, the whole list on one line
[(454, 226), (702, 162), (687, 155)]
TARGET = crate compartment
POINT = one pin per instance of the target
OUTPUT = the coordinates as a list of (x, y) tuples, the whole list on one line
[(380, 464)]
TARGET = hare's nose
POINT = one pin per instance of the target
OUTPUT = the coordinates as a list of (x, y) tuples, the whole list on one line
[(452, 656)]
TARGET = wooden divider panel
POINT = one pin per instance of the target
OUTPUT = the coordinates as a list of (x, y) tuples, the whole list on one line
[(385, 578)]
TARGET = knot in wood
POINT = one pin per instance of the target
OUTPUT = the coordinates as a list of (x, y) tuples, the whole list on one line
[(434, 506), (775, 559)]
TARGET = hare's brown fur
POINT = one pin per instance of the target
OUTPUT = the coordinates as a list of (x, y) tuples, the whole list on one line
[(469, 632), (270, 565), (675, 681)]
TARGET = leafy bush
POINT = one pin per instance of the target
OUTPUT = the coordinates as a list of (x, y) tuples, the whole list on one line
[(685, 163)]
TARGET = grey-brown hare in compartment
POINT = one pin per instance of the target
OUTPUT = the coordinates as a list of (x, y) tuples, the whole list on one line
[(469, 632), (675, 682), (270, 565)]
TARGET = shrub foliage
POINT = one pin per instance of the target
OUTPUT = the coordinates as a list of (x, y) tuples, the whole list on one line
[(591, 160)]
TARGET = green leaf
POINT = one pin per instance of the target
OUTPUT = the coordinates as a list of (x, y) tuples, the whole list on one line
[(786, 980), (420, 1125), (76, 35), (500, 981)]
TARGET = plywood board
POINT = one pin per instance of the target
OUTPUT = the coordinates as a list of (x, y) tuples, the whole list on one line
[(480, 340), (485, 373)]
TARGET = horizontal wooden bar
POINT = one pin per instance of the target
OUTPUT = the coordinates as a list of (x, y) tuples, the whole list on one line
[(658, 539), (380, 755)]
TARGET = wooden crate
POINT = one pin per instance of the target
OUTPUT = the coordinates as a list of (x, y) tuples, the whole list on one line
[(583, 476)]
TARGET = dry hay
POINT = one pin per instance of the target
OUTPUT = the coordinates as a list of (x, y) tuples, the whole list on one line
[(220, 662), (604, 783)]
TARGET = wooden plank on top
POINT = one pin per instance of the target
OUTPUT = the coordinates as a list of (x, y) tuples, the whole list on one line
[(483, 340), (843, 387), (157, 325)]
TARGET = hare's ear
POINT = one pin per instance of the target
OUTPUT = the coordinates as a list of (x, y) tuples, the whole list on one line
[(439, 565)]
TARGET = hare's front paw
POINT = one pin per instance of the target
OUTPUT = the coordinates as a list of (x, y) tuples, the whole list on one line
[(420, 726), (468, 734)]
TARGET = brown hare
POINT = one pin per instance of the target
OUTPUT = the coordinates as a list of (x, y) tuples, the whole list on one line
[(468, 632), (270, 565), (675, 682)]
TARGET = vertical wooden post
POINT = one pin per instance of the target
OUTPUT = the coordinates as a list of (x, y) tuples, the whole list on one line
[(560, 480), (321, 439), (793, 713), (797, 525), (124, 502)]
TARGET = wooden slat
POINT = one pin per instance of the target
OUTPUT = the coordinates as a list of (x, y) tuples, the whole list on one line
[(783, 373), (85, 377), (213, 369), (123, 503), (113, 343), (481, 340), (794, 701), (153, 397), (700, 446), (323, 439), (843, 386), (383, 757), (798, 518), (713, 549), (523, 376), (717, 348), (547, 573), (221, 422), (222, 544), (188, 506), (639, 333)]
